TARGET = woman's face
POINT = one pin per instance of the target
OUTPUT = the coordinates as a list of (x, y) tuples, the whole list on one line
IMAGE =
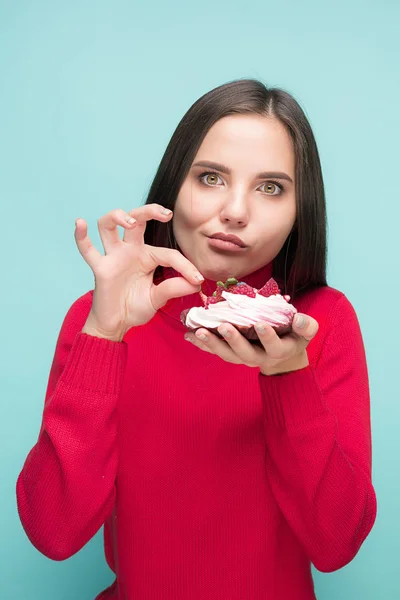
[(248, 192)]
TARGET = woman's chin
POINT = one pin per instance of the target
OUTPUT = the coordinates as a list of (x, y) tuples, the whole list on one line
[(217, 267), (218, 273)]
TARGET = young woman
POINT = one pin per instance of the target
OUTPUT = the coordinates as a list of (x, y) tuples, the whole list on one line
[(219, 469)]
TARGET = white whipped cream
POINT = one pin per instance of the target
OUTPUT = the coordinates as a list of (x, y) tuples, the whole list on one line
[(242, 310)]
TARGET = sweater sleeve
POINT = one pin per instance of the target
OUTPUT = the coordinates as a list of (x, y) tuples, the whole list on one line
[(66, 488), (318, 461)]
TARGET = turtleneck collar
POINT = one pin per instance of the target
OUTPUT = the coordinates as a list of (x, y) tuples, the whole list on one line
[(175, 306)]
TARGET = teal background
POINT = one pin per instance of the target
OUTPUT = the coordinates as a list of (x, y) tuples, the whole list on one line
[(90, 93)]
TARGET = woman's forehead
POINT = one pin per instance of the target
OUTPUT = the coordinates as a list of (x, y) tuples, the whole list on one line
[(248, 143)]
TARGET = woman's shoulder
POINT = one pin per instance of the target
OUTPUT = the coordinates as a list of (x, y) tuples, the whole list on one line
[(327, 305), (322, 299)]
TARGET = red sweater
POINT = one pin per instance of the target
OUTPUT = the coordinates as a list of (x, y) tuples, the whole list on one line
[(211, 480)]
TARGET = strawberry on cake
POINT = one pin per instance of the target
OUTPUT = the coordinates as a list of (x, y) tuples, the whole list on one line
[(243, 306)]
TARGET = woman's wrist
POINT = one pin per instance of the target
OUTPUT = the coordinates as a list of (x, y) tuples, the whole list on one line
[(94, 332), (300, 361)]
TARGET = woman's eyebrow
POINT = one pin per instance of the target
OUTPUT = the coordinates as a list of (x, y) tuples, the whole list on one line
[(227, 170)]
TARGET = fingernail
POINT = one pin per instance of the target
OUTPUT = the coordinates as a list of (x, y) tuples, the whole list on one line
[(225, 333), (202, 337), (300, 321), (166, 211), (260, 327), (199, 277)]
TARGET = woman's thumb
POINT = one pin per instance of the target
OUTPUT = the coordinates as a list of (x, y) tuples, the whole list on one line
[(175, 287)]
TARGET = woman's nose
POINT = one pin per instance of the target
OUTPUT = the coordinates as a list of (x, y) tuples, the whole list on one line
[(235, 210)]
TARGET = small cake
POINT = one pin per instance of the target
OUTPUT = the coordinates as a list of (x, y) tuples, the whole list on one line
[(241, 305)]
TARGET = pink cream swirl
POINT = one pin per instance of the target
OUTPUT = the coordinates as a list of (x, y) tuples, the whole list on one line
[(243, 311)]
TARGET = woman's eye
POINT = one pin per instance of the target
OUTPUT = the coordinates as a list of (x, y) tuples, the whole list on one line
[(210, 179), (272, 189)]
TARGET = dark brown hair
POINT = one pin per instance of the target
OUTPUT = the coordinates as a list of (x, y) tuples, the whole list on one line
[(301, 263)]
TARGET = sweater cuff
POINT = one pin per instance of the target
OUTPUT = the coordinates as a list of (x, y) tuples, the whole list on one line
[(291, 398), (96, 364)]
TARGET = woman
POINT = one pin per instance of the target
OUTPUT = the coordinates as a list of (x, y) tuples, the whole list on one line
[(219, 469)]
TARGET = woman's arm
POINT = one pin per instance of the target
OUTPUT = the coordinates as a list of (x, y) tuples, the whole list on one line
[(317, 426), (66, 488)]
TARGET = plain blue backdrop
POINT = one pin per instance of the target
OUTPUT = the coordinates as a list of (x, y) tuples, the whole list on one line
[(90, 93)]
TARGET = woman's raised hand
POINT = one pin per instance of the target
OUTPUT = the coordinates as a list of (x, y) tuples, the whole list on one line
[(125, 295)]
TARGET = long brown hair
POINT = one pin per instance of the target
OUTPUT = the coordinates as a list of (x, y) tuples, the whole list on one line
[(301, 262)]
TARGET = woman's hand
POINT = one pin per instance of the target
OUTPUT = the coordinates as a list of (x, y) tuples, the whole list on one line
[(125, 295), (276, 356)]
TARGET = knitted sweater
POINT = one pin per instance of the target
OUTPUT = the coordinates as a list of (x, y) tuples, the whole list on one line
[(212, 481)]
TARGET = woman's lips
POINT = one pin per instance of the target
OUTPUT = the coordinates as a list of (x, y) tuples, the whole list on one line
[(223, 245)]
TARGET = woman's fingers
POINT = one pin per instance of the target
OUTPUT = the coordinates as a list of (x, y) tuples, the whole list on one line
[(248, 353), (274, 351), (294, 342), (209, 342), (272, 343), (174, 287), (142, 215), (134, 223), (107, 225), (85, 246), (168, 257), (309, 327)]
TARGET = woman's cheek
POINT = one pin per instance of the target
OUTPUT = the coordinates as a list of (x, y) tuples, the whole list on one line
[(200, 209)]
